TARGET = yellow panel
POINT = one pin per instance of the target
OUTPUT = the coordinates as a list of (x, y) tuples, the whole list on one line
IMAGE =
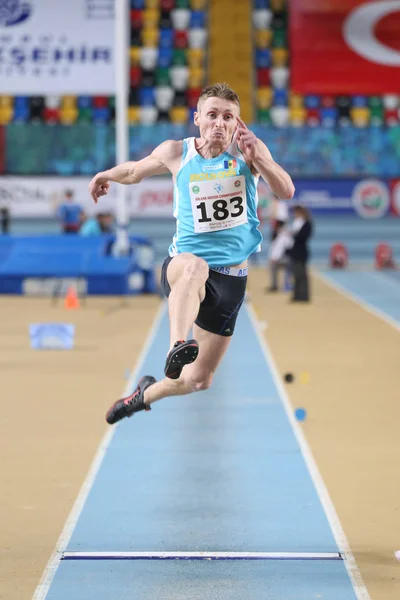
[(151, 16), (150, 37), (264, 97), (68, 116), (196, 77), (263, 38), (297, 115), (279, 57), (198, 4), (230, 49), (68, 102), (134, 54), (195, 57), (179, 114), (6, 101), (296, 101), (277, 5), (6, 114), (133, 114), (361, 115), (152, 3)]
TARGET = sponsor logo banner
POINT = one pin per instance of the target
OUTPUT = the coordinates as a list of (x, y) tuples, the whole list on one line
[(57, 47), (367, 198), (40, 196), (395, 197), (354, 49)]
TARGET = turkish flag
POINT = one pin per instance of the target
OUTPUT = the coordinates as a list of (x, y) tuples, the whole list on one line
[(345, 46)]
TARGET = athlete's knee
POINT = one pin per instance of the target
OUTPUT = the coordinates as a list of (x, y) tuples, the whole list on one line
[(195, 269), (200, 381)]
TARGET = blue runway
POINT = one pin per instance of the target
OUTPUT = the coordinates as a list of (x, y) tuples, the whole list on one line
[(376, 290), (220, 471)]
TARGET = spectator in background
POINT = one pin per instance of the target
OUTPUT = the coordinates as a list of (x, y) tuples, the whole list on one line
[(5, 220), (278, 258), (70, 213), (97, 225), (278, 213), (301, 231)]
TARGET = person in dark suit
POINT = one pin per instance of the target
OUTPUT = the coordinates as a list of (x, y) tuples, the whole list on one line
[(302, 229)]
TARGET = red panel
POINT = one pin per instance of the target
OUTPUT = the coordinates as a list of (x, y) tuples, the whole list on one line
[(135, 76), (100, 102), (193, 95), (263, 78), (51, 115), (391, 115), (181, 39), (136, 18), (167, 4), (344, 47)]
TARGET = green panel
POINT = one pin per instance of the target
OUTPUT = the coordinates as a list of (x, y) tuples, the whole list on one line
[(162, 76), (179, 57), (85, 114), (279, 39), (263, 116), (375, 102)]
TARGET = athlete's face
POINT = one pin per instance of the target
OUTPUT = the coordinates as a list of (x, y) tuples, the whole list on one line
[(216, 119)]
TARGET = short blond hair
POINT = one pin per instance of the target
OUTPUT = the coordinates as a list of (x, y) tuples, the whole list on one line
[(219, 90)]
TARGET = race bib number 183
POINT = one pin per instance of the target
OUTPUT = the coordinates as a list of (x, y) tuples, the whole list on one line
[(218, 204)]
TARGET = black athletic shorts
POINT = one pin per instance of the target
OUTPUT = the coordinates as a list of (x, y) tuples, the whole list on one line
[(220, 307)]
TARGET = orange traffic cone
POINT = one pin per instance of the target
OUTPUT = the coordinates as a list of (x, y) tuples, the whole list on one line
[(71, 299)]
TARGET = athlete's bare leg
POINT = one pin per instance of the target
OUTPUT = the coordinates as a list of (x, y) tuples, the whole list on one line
[(187, 275), (196, 376)]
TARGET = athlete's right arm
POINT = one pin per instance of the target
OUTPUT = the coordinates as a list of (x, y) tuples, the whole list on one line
[(157, 163)]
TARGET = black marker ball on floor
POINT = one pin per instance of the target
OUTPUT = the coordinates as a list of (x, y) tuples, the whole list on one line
[(289, 377)]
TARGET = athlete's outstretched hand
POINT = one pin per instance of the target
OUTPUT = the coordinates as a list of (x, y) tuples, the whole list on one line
[(247, 140), (99, 186)]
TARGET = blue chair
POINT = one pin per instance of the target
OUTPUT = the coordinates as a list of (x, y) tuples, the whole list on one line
[(312, 101), (261, 4), (280, 97), (21, 108), (166, 38), (84, 101), (197, 19), (101, 115), (263, 58), (165, 57), (139, 4), (360, 101), (21, 102), (329, 114), (146, 96)]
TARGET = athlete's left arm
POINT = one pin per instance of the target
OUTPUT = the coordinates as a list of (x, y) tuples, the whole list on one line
[(258, 155)]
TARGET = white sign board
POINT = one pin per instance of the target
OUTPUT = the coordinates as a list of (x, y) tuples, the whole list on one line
[(40, 196), (57, 47)]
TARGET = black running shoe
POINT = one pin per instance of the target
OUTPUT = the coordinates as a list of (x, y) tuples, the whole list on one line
[(126, 407), (183, 353)]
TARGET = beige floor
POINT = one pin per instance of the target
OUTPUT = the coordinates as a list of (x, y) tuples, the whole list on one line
[(52, 420), (352, 426), (352, 361)]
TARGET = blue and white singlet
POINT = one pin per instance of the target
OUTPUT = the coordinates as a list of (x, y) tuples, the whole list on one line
[(215, 206)]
